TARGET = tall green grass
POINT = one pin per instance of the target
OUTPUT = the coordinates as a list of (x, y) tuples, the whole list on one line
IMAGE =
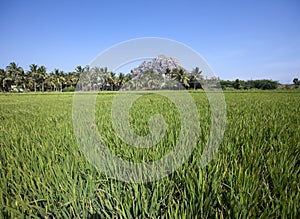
[(43, 172)]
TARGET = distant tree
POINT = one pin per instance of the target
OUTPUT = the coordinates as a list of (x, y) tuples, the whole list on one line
[(237, 84), (151, 80), (22, 79), (296, 81), (59, 79), (262, 84), (195, 78), (2, 77), (120, 80), (34, 75), (168, 73), (181, 76), (128, 77), (226, 84), (50, 81), (111, 79), (104, 78), (94, 78), (79, 69), (13, 72), (71, 79), (41, 76), (79, 72)]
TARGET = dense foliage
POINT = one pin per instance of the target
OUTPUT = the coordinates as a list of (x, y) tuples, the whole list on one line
[(255, 174), (258, 84), (296, 81)]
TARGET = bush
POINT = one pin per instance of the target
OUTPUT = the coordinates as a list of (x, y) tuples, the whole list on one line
[(68, 89)]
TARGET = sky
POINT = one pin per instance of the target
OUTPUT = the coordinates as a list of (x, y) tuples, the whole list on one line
[(257, 39)]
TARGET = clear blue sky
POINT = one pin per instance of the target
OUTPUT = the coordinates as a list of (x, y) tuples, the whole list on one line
[(246, 39)]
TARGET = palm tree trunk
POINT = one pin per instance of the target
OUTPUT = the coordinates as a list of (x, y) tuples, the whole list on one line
[(24, 87)]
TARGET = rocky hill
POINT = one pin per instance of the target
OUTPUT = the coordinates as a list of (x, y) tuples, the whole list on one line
[(159, 64)]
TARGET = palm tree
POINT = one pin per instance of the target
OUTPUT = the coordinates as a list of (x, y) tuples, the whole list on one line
[(12, 73), (85, 80), (151, 80), (2, 77), (181, 76), (33, 72), (71, 79), (95, 75), (167, 73), (59, 79), (50, 81), (78, 72), (42, 76), (22, 79), (13, 69), (195, 77), (79, 69), (111, 80), (120, 80), (127, 82), (104, 77)]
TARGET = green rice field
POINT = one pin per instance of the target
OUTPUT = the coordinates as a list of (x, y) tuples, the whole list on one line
[(255, 174)]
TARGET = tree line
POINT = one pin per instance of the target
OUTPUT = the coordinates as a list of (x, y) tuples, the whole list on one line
[(14, 79), (250, 84)]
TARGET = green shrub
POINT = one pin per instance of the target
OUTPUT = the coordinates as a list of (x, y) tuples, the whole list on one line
[(69, 89)]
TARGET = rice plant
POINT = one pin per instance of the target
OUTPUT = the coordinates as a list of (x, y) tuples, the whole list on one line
[(255, 173)]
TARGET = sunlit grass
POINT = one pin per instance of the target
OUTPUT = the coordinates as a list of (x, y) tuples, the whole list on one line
[(255, 173)]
